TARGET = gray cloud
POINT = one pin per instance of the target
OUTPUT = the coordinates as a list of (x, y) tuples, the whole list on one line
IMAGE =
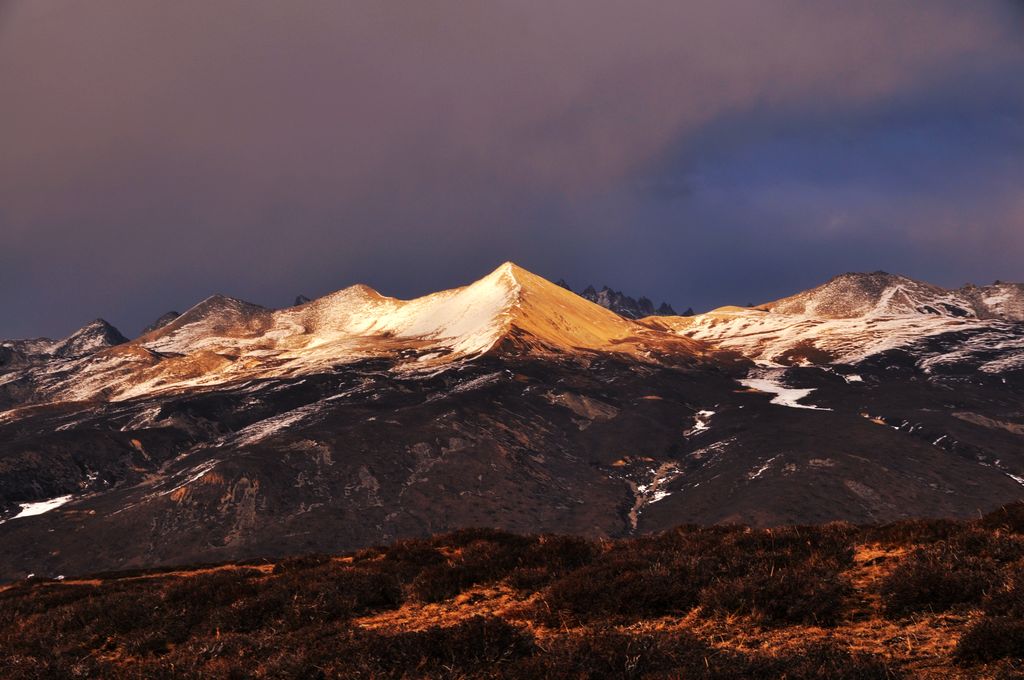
[(154, 152)]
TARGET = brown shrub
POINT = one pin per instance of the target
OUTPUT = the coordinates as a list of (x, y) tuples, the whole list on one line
[(925, 582), (406, 558), (1008, 518), (484, 557), (440, 582), (1007, 597), (323, 594), (911, 531), (956, 571), (822, 660), (550, 557), (618, 588), (461, 538), (609, 653), (990, 639), (803, 593), (300, 563), (474, 646)]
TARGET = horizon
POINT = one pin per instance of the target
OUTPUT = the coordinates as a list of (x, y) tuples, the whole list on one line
[(576, 289)]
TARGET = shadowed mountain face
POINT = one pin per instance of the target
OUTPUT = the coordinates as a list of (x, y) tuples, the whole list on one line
[(236, 431), (622, 304)]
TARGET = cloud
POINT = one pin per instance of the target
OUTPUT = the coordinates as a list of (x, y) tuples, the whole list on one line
[(161, 148)]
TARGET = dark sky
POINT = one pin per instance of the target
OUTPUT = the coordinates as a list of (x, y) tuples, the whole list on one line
[(705, 152)]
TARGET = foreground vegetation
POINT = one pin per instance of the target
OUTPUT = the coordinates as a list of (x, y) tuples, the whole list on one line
[(910, 599)]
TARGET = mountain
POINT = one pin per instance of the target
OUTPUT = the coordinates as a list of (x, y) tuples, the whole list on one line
[(223, 340), (854, 316), (997, 301), (882, 294), (161, 321), (236, 431), (622, 304), (89, 339)]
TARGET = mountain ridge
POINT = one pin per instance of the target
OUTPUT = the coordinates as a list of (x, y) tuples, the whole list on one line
[(852, 316), (224, 339)]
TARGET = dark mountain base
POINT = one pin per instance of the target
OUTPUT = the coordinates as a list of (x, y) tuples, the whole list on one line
[(594, 446), (933, 599)]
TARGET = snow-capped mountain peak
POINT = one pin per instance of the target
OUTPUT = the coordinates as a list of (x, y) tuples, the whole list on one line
[(471, 318), (997, 301), (877, 294), (224, 339), (468, 320), (215, 317), (850, 317), (93, 337)]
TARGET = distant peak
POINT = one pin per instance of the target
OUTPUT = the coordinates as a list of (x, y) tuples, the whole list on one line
[(217, 304), (220, 299), (162, 321), (362, 289), (878, 293), (97, 324), (96, 335), (877, 275), (624, 305)]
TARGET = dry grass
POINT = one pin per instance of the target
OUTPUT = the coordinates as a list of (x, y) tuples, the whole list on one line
[(725, 602), (921, 646)]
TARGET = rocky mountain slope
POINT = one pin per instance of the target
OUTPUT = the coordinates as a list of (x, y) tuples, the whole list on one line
[(89, 339), (237, 431), (854, 316)]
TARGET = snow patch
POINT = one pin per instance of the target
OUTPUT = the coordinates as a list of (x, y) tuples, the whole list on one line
[(701, 423), (771, 382), (754, 474), (658, 495), (40, 507), (263, 429), (1019, 480), (194, 474)]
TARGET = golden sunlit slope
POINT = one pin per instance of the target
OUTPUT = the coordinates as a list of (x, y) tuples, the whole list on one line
[(559, 319), (471, 319)]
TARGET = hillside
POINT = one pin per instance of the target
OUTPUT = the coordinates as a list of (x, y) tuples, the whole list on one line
[(912, 599), (859, 315), (233, 431)]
